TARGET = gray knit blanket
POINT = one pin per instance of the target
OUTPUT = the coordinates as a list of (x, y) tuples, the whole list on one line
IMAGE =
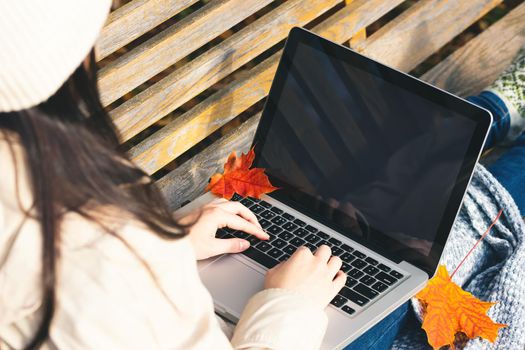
[(494, 272)]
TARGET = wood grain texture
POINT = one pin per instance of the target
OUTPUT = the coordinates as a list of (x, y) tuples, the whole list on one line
[(421, 30), (185, 83), (477, 64), (195, 125), (184, 132), (360, 36), (349, 20), (358, 39), (189, 180), (174, 43), (135, 18)]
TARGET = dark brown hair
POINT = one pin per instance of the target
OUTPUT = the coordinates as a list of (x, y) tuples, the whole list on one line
[(71, 151)]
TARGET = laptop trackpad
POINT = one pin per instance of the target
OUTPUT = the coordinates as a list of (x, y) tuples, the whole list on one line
[(231, 283)]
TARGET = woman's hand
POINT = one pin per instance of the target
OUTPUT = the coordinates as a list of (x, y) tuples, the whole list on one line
[(316, 276), (218, 214)]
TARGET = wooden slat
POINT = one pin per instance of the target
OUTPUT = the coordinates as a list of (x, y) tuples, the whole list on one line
[(188, 181), (180, 86), (358, 39), (351, 19), (421, 30), (179, 135), (169, 46), (359, 36), (477, 64), (135, 18)]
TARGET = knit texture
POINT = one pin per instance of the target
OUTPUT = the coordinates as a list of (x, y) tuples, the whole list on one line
[(41, 44), (510, 88), (494, 272)]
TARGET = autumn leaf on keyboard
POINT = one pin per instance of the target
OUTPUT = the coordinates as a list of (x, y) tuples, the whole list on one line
[(239, 178), (448, 309)]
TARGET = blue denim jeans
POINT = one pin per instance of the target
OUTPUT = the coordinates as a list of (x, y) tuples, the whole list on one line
[(501, 123), (508, 170), (382, 335)]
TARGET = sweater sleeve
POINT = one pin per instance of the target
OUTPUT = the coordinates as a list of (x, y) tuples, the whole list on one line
[(280, 319), (109, 299)]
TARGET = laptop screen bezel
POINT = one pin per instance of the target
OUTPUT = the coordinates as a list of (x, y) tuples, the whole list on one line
[(479, 115)]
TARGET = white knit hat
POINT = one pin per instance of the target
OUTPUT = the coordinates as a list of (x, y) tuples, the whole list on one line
[(42, 42)]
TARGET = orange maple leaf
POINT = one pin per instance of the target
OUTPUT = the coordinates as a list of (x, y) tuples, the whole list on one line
[(449, 309), (239, 178)]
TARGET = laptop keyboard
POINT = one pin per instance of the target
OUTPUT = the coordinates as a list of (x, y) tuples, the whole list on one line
[(367, 278)]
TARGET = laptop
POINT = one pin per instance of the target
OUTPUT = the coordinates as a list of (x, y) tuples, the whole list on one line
[(371, 162)]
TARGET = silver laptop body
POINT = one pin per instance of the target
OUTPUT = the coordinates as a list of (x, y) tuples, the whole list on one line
[(233, 279)]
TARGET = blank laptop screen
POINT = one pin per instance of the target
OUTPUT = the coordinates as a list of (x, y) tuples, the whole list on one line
[(371, 158)]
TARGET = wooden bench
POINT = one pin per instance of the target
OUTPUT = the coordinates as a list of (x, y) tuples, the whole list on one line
[(186, 75)]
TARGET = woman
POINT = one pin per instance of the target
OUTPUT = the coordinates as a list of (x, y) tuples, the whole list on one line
[(90, 256)]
